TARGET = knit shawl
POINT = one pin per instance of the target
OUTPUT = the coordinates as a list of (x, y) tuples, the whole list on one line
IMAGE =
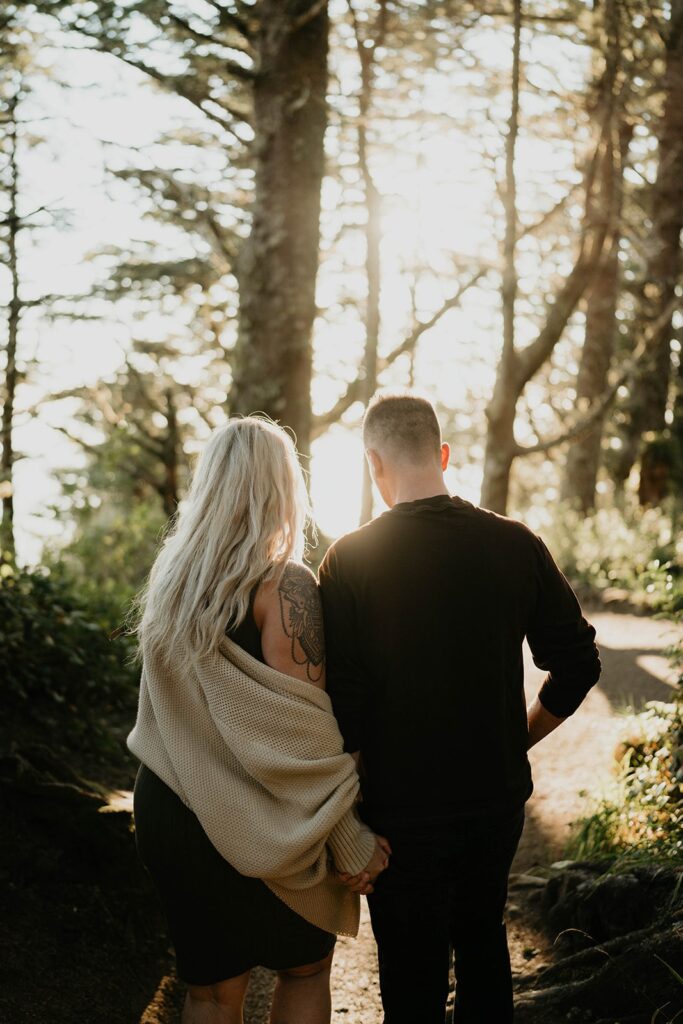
[(258, 757)]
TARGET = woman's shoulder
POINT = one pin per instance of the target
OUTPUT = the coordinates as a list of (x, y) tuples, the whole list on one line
[(289, 613), (296, 581)]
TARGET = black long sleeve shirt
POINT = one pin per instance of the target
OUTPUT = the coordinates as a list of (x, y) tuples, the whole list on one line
[(426, 609)]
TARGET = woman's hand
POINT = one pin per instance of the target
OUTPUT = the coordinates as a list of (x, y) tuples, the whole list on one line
[(363, 883)]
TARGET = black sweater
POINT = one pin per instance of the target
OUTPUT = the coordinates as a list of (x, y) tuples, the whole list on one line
[(426, 609)]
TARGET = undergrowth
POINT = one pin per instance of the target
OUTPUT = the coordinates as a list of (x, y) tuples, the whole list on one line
[(642, 818), (631, 549)]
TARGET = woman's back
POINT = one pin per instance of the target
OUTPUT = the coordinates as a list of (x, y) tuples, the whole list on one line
[(283, 626), (248, 634)]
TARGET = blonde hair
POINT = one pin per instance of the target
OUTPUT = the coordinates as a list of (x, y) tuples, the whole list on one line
[(243, 519)]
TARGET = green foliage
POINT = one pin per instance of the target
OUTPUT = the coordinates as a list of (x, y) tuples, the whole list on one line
[(643, 818), (110, 556), (633, 549), (58, 660)]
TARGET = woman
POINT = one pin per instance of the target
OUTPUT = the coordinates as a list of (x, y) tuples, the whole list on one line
[(244, 796)]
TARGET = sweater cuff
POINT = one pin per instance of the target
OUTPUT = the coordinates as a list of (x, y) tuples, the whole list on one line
[(557, 700), (352, 843)]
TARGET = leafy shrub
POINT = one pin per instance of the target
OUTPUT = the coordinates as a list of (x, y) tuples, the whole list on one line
[(633, 549), (643, 817), (56, 658), (109, 558)]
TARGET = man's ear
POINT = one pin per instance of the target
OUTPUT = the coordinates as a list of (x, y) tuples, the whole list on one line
[(374, 461), (445, 455)]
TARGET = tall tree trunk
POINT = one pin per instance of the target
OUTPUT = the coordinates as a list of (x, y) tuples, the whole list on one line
[(500, 436), (583, 457), (517, 366), (650, 392), (279, 262), (170, 446), (366, 48), (7, 542), (500, 443), (372, 267), (667, 220)]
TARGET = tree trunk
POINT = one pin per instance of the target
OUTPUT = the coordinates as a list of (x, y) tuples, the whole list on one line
[(518, 366), (583, 458), (279, 262), (667, 218), (372, 266), (500, 413), (650, 392), (7, 545), (170, 456), (500, 445), (373, 230)]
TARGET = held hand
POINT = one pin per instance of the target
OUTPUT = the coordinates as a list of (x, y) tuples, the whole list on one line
[(363, 883)]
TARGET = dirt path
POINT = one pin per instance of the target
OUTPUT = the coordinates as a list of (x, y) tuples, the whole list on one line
[(576, 759)]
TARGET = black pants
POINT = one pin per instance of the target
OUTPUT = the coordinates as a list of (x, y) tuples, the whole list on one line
[(446, 888)]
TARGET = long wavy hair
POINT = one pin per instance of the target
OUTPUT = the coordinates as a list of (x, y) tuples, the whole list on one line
[(244, 517)]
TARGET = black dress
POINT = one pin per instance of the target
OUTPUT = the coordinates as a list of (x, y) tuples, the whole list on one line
[(221, 922)]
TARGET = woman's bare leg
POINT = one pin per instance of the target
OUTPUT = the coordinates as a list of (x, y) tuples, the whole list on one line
[(221, 1003), (302, 994)]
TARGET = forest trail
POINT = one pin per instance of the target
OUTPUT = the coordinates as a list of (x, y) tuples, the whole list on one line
[(578, 758)]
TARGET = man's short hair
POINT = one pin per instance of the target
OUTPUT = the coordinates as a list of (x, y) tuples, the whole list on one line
[(403, 426)]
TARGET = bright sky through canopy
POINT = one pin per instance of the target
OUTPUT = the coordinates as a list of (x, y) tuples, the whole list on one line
[(440, 220)]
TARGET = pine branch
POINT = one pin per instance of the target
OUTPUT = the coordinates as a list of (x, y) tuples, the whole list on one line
[(236, 69), (175, 85), (231, 19)]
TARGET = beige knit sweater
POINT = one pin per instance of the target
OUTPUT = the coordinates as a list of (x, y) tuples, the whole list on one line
[(257, 756)]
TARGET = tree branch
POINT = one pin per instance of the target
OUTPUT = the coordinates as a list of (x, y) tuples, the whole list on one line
[(531, 358), (316, 8), (354, 389), (545, 218), (133, 469), (510, 282), (232, 20), (409, 343), (236, 69), (582, 427), (174, 85)]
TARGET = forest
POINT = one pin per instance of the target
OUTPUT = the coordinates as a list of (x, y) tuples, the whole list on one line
[(210, 208)]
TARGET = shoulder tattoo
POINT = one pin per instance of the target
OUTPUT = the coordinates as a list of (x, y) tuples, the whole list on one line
[(302, 619)]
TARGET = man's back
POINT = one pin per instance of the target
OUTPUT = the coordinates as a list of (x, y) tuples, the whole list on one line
[(425, 610)]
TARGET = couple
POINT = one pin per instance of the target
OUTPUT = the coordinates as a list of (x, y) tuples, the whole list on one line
[(286, 768)]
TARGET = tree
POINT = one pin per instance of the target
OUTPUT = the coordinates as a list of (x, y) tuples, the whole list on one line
[(12, 225), (137, 430), (258, 74), (584, 455), (367, 46), (649, 396), (517, 367), (17, 73), (278, 264)]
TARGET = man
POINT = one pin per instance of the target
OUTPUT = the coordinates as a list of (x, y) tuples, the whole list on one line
[(426, 609)]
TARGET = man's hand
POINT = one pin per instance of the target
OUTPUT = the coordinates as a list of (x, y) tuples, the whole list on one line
[(541, 722), (363, 883)]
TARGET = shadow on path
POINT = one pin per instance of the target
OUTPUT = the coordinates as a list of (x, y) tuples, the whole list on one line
[(626, 682)]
